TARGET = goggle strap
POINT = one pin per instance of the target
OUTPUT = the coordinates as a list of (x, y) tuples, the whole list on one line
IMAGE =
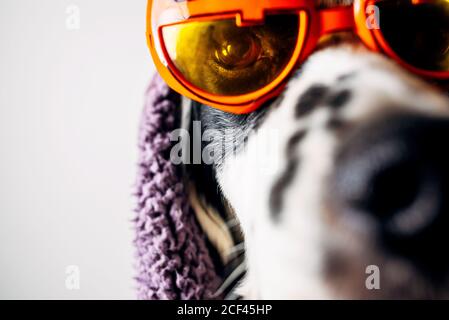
[(336, 19)]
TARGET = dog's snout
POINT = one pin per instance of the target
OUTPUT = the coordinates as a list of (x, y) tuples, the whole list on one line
[(395, 171)]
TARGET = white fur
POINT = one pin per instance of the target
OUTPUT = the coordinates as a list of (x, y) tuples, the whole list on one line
[(285, 259)]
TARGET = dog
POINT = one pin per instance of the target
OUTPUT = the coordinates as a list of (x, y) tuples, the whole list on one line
[(336, 189)]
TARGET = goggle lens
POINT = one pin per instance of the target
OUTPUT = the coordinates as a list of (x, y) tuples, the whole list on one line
[(222, 58), (417, 31)]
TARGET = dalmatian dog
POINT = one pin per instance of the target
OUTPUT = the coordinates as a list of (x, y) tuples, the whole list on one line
[(336, 189)]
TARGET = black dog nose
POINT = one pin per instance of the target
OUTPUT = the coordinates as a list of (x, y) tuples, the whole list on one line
[(396, 171)]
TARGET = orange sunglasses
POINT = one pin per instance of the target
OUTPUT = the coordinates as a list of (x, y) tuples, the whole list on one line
[(236, 54)]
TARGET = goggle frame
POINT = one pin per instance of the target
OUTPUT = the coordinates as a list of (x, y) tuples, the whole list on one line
[(313, 25)]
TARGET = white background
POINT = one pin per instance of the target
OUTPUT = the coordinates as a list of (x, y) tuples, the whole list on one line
[(70, 102)]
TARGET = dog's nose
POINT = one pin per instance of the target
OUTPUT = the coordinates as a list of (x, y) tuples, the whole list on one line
[(396, 172)]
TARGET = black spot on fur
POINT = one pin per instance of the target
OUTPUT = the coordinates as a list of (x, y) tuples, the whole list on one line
[(335, 123), (319, 95), (285, 179), (281, 184), (311, 98), (337, 100), (293, 141), (346, 76)]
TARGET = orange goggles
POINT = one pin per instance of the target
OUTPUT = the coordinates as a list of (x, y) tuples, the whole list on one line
[(236, 54)]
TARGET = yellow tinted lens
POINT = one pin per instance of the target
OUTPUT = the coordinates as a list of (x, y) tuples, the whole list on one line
[(221, 58), (417, 31)]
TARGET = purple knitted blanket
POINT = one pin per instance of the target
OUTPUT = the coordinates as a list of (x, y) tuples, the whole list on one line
[(173, 261)]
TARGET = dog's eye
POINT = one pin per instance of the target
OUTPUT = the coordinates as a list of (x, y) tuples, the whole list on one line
[(222, 58), (424, 43), (235, 51)]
